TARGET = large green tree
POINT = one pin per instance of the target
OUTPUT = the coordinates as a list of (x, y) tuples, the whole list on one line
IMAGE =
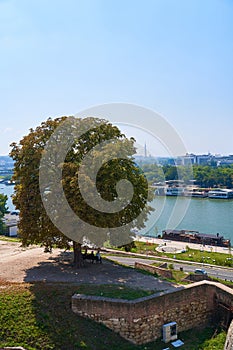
[(3, 209), (35, 226)]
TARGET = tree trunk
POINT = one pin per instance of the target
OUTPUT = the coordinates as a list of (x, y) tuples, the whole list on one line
[(78, 259)]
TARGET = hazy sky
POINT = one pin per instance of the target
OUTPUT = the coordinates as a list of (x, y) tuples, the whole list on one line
[(58, 57)]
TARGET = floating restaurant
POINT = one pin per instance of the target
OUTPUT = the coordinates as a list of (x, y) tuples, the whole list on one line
[(196, 237)]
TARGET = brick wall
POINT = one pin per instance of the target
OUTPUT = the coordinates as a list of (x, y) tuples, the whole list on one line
[(154, 269), (141, 320)]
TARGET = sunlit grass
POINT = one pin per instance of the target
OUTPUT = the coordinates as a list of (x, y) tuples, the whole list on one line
[(39, 316)]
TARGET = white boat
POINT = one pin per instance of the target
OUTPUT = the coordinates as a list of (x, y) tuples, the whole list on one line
[(174, 191), (221, 193), (196, 193)]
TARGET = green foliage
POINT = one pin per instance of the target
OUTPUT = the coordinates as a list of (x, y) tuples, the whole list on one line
[(179, 276), (3, 210), (215, 343), (39, 316), (212, 258), (35, 226), (145, 248), (113, 291), (9, 239), (206, 176), (6, 177), (128, 247)]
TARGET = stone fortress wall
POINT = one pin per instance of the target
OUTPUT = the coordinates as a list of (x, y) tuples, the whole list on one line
[(141, 320), (229, 340)]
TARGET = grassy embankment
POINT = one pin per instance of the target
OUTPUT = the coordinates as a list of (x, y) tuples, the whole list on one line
[(38, 316), (9, 239), (204, 257)]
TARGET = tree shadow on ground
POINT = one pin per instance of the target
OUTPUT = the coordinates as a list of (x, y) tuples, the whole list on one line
[(64, 330), (53, 283), (60, 269)]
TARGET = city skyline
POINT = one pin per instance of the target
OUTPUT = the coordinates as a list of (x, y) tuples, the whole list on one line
[(175, 58)]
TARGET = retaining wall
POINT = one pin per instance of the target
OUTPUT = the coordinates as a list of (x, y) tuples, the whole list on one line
[(154, 269), (141, 320)]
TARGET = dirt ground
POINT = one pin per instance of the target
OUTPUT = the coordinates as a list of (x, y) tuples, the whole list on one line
[(31, 264)]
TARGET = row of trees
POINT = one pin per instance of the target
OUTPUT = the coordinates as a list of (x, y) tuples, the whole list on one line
[(205, 176)]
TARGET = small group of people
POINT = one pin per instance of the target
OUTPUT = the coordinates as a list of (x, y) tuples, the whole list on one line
[(91, 256)]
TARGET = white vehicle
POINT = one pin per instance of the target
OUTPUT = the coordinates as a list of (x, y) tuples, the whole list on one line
[(200, 272)]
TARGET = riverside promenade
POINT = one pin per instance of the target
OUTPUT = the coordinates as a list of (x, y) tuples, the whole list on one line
[(169, 246)]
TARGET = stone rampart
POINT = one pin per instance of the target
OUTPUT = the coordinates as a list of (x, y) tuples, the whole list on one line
[(141, 320)]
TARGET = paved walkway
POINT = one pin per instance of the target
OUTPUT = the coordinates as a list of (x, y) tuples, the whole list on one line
[(32, 264)]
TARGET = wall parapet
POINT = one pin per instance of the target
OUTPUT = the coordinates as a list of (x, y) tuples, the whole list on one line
[(154, 269), (141, 320)]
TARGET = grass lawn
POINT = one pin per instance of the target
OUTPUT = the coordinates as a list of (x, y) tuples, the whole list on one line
[(213, 258), (9, 239), (204, 257), (38, 316), (113, 291)]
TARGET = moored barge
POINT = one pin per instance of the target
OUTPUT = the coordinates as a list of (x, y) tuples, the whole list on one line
[(196, 237)]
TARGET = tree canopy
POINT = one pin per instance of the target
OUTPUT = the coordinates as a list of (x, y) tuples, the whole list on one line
[(205, 175), (3, 209), (89, 174)]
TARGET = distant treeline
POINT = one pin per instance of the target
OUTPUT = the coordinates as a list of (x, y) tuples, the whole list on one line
[(205, 176)]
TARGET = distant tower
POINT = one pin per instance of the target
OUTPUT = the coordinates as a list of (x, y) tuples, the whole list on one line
[(145, 151)]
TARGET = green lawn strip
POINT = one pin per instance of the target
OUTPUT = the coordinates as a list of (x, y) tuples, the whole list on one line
[(227, 283), (113, 291), (9, 239), (140, 247), (178, 276), (196, 339), (213, 258), (192, 255), (145, 248), (39, 316), (220, 259)]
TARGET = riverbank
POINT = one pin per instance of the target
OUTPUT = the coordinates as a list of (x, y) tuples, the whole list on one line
[(177, 246)]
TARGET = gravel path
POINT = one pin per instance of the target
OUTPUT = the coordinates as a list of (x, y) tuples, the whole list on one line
[(18, 264)]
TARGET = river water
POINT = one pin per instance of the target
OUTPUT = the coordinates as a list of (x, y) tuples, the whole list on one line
[(203, 214), (8, 190)]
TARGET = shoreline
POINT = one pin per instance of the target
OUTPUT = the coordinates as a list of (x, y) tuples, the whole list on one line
[(179, 245)]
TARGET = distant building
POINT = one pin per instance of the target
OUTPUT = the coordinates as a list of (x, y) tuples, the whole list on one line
[(204, 159), (186, 160), (224, 160), (11, 224)]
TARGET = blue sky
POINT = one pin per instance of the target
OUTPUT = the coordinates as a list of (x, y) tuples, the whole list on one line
[(175, 57)]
